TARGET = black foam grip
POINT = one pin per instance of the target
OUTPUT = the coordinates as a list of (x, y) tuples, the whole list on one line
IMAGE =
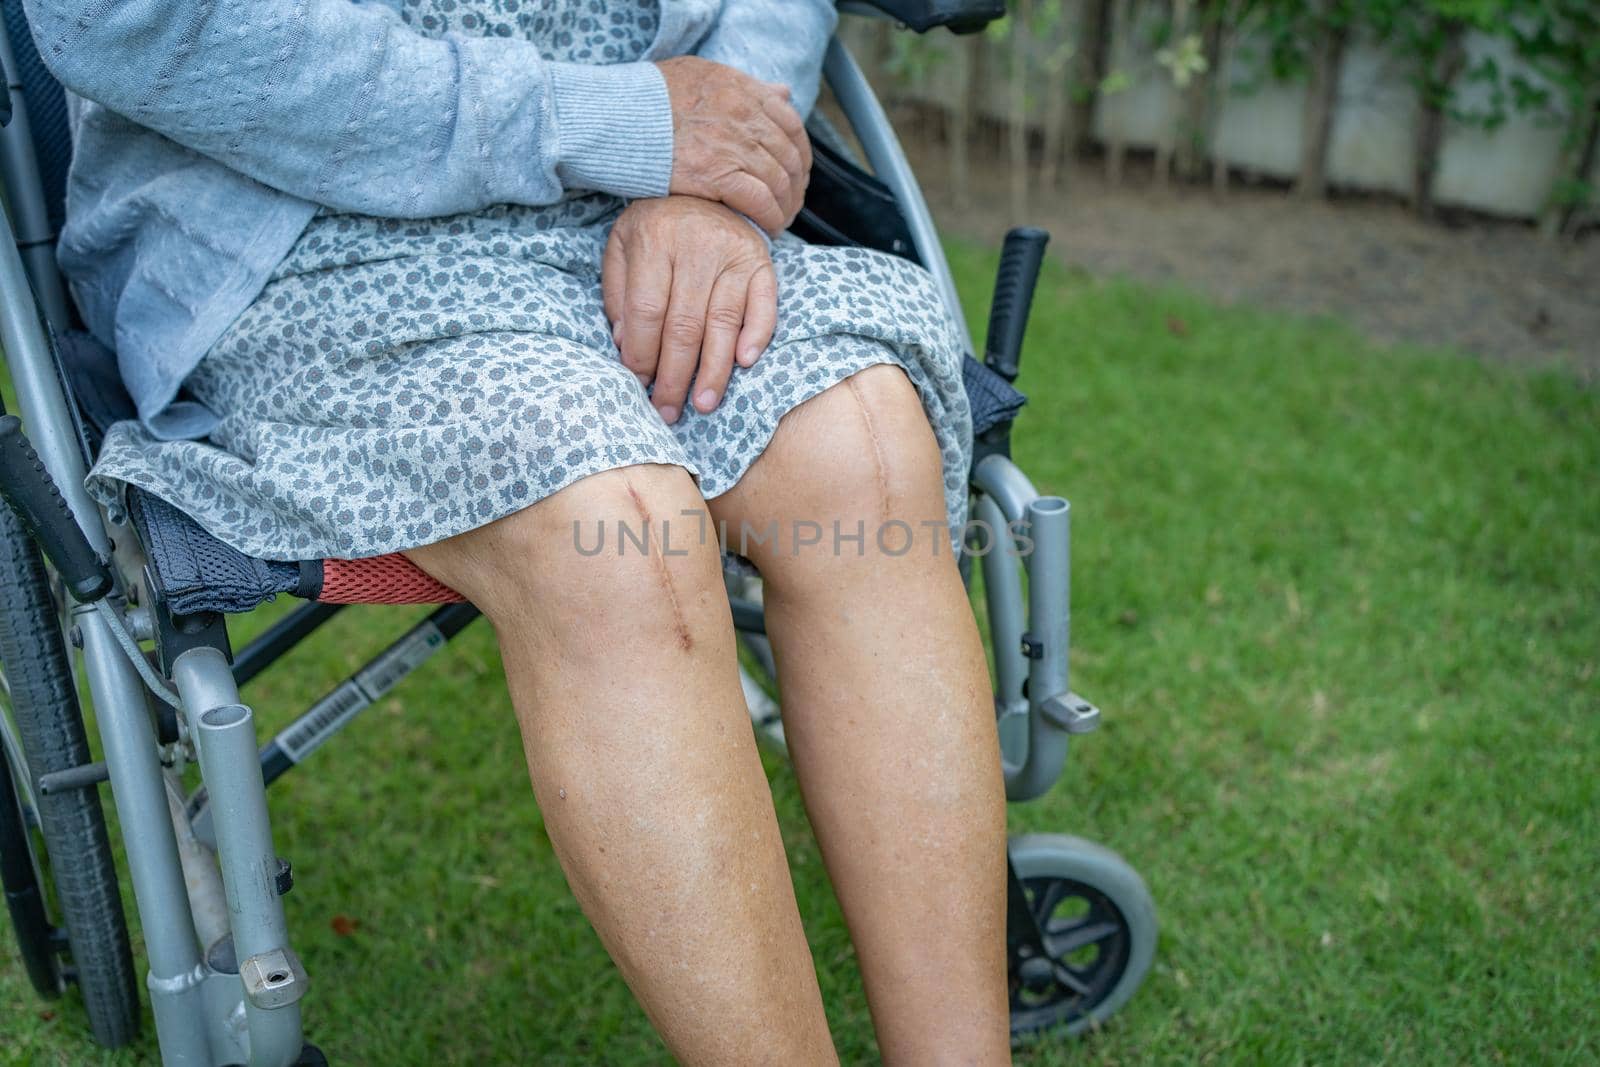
[(1020, 259), (32, 494)]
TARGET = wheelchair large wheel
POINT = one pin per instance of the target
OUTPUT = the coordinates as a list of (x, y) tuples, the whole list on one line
[(1099, 926), (19, 871), (63, 837)]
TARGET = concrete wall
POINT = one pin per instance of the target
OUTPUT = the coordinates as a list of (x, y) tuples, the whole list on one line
[(1506, 171)]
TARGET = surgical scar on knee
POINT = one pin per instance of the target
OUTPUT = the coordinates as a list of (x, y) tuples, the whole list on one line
[(877, 449), (663, 575)]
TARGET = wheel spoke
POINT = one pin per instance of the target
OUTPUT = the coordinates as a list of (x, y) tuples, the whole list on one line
[(11, 739), (1079, 936), (1046, 900), (1071, 981)]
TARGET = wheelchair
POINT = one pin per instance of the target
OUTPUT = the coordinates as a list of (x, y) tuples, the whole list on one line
[(139, 594)]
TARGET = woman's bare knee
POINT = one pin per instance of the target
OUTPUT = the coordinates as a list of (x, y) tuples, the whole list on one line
[(858, 460)]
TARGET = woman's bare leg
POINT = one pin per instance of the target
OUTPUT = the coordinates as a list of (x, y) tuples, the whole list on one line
[(887, 710), (622, 671)]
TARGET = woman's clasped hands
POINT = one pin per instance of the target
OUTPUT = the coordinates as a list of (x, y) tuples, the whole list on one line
[(687, 279)]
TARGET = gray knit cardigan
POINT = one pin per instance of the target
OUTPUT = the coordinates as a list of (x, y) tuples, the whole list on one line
[(208, 132)]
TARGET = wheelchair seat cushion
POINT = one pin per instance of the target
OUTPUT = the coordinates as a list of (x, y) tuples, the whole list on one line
[(194, 572), (191, 570)]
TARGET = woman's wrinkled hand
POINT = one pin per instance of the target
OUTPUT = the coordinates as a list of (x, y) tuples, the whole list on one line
[(736, 140), (689, 289)]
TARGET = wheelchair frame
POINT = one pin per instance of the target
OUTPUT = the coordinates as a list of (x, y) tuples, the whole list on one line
[(224, 981)]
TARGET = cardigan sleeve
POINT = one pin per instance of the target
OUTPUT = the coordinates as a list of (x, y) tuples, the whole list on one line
[(777, 42), (342, 104)]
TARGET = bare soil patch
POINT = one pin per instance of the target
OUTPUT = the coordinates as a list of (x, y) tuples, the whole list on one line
[(1495, 289)]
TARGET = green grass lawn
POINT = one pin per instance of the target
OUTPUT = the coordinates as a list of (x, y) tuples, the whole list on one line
[(1338, 603)]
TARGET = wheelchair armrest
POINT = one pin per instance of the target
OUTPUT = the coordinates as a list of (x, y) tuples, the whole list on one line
[(958, 16)]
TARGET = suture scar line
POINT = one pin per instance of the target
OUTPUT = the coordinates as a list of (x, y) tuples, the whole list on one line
[(685, 638), (877, 450)]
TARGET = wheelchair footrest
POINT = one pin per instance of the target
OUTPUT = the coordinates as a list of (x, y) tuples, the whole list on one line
[(1071, 712)]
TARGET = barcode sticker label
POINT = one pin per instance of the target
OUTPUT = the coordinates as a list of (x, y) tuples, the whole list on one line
[(322, 721), (329, 715), (399, 660)]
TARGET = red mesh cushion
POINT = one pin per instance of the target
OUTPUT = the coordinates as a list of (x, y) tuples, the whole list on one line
[(391, 579)]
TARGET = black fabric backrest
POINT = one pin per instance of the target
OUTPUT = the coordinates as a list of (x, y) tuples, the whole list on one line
[(847, 206), (47, 112)]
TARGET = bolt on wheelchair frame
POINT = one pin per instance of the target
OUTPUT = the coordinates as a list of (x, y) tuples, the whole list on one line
[(224, 982)]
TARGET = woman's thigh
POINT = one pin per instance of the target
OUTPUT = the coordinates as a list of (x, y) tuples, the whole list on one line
[(854, 471), (613, 557)]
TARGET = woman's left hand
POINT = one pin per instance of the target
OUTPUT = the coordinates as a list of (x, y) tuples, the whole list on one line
[(689, 288)]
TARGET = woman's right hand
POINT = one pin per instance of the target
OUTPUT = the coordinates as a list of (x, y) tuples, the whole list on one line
[(690, 292), (736, 140)]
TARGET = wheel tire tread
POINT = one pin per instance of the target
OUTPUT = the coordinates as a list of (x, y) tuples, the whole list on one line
[(44, 699)]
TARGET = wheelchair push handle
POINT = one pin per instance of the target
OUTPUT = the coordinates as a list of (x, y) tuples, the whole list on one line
[(32, 494), (1020, 259)]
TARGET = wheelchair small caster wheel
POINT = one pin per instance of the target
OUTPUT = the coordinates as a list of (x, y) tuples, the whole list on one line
[(1099, 927), (311, 1056)]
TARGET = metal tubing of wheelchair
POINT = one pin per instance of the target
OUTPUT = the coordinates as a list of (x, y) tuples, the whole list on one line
[(83, 776), (225, 741), (1004, 488), (1004, 481), (1049, 620), (19, 169), (872, 128), (129, 740), (1002, 591), (45, 416), (119, 696)]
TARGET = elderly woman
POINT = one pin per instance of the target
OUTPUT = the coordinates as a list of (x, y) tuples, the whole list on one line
[(474, 280)]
